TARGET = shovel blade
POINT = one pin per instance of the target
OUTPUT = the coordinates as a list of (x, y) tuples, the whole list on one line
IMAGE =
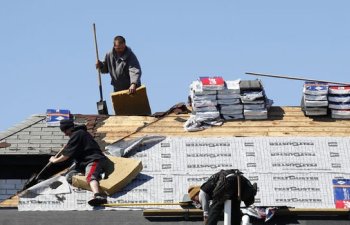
[(102, 108)]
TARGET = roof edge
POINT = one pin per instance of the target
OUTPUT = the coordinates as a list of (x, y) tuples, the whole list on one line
[(33, 119)]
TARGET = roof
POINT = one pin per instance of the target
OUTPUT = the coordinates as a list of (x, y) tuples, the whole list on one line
[(33, 136), (281, 122)]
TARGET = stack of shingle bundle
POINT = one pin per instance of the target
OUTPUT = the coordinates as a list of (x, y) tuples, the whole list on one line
[(339, 101), (229, 101), (314, 101), (254, 99), (203, 97)]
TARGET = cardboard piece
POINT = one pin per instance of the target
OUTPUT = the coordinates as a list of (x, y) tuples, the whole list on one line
[(120, 172), (131, 105)]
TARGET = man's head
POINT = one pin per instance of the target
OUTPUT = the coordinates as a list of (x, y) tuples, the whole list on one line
[(67, 126), (119, 45), (193, 192)]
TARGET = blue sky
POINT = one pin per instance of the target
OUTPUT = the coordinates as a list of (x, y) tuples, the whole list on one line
[(47, 50)]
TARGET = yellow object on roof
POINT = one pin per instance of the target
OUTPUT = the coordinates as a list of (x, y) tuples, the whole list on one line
[(131, 104), (121, 172)]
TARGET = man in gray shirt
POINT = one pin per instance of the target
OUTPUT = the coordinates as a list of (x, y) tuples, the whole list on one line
[(122, 64)]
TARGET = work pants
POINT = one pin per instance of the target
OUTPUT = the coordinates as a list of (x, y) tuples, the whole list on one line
[(216, 209)]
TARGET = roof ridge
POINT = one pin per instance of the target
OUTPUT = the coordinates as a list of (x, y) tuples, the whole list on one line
[(33, 119)]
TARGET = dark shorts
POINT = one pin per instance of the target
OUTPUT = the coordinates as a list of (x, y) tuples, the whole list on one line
[(93, 171)]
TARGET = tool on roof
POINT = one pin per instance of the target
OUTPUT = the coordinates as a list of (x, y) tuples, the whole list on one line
[(296, 78), (35, 177), (185, 203), (101, 105)]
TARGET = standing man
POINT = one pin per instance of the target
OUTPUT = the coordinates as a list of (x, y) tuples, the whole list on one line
[(121, 63), (88, 157), (220, 187)]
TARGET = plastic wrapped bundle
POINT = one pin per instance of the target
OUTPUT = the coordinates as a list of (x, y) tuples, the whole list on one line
[(229, 101), (212, 83), (255, 114), (340, 114), (339, 105), (255, 102), (315, 101), (339, 101), (339, 98), (202, 100), (196, 88), (339, 90)]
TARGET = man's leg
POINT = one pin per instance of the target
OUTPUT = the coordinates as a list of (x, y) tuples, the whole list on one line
[(69, 175), (93, 175), (95, 186), (236, 215), (215, 212)]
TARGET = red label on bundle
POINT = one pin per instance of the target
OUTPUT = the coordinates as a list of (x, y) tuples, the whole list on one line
[(342, 204), (212, 81), (340, 87)]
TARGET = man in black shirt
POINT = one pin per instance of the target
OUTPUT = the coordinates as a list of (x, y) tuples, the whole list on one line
[(87, 155), (221, 186)]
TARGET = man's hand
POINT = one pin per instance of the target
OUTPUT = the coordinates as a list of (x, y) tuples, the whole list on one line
[(132, 89), (61, 158), (52, 159), (98, 64)]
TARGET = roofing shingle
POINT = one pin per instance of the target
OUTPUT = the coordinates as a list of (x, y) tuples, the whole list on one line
[(33, 136)]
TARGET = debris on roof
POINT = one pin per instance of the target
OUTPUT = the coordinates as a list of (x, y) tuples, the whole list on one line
[(4, 145)]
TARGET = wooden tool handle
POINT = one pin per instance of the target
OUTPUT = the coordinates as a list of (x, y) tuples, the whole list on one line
[(144, 204), (49, 163), (97, 57)]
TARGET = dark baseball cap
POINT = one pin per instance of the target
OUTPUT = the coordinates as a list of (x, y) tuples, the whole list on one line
[(65, 124)]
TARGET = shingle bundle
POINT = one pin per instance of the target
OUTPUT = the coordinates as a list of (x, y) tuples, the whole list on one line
[(254, 100), (229, 101), (339, 101), (203, 98), (213, 99), (314, 101), (203, 101)]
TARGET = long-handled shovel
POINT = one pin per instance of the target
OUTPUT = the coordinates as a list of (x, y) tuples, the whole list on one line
[(101, 105), (35, 177)]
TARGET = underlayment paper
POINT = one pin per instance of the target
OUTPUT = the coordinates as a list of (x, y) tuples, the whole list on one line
[(293, 172)]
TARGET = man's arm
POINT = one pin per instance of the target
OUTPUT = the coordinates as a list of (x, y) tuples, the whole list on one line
[(134, 72), (58, 159), (102, 66), (204, 201), (134, 69), (71, 147)]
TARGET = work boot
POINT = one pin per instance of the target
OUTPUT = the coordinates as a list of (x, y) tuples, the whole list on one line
[(99, 199)]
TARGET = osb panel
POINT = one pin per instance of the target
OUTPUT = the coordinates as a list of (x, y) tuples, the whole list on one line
[(282, 122), (10, 203)]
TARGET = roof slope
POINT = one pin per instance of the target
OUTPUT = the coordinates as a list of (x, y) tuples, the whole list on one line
[(33, 136), (282, 122)]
